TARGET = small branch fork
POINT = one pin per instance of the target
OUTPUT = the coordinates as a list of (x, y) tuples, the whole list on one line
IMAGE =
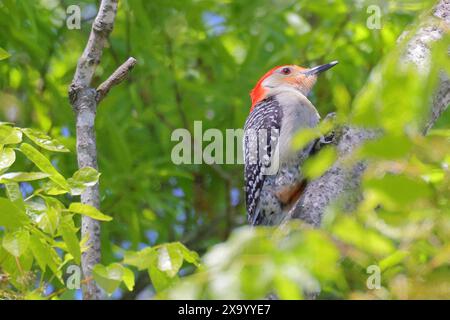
[(114, 79), (84, 100)]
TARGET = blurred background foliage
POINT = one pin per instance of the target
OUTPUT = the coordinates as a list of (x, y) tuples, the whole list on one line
[(197, 60)]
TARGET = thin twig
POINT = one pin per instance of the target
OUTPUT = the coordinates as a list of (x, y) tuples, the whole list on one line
[(114, 79)]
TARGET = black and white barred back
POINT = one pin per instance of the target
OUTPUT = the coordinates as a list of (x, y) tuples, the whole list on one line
[(266, 117)]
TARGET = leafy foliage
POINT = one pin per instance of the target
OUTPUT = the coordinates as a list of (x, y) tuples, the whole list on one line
[(197, 61), (257, 261), (38, 233), (162, 262)]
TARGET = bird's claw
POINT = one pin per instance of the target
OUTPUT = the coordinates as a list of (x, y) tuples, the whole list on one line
[(329, 138)]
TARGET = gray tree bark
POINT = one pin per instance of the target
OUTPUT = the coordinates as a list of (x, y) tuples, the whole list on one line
[(341, 182), (84, 100)]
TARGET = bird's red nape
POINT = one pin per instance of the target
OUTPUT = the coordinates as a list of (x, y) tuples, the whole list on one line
[(258, 93)]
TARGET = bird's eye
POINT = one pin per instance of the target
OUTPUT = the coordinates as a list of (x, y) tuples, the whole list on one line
[(286, 71)]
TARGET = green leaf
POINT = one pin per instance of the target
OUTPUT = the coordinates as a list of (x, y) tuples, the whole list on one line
[(170, 258), (69, 234), (166, 261), (305, 136), (44, 141), (163, 262), (167, 257), (34, 295), (390, 146), (89, 211), (318, 164), (149, 214), (160, 279), (350, 231), (85, 177), (52, 202), (286, 288), (185, 253), (49, 220), (23, 176), (16, 242), (397, 191), (14, 194), (41, 251), (10, 215), (188, 255), (128, 278), (4, 54), (7, 158), (110, 277), (10, 267), (53, 189), (44, 165), (393, 259), (140, 259), (10, 135)]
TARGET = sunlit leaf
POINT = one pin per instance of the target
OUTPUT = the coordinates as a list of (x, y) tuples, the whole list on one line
[(10, 135), (23, 176), (304, 137), (128, 278), (44, 165), (53, 189), (189, 255), (141, 259), (350, 231), (85, 177), (10, 215), (16, 243), (386, 147), (170, 259), (44, 141), (393, 259), (69, 234), (160, 279), (287, 289), (14, 194), (89, 211), (49, 219), (4, 54), (316, 165), (307, 135), (110, 277), (7, 158), (397, 190), (41, 251)]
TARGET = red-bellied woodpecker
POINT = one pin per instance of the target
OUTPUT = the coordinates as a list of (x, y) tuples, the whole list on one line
[(280, 108)]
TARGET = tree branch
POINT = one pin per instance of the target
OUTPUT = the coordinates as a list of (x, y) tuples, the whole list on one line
[(418, 52), (101, 28), (84, 99), (342, 181), (117, 77)]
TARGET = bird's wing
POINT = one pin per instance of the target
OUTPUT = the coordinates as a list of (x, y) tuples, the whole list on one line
[(261, 137)]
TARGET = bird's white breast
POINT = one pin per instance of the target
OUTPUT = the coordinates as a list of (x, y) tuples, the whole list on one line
[(298, 113)]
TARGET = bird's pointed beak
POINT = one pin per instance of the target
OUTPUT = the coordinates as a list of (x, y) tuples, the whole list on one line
[(321, 68)]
